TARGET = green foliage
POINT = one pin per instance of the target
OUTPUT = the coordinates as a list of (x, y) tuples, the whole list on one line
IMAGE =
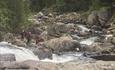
[(13, 14), (61, 5), (37, 5), (97, 4)]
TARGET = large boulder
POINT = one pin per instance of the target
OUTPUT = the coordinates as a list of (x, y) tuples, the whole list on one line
[(59, 29), (56, 29), (42, 52), (104, 15), (93, 18), (7, 57), (100, 17), (62, 44)]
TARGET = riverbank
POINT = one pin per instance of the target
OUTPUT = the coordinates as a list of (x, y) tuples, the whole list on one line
[(34, 65)]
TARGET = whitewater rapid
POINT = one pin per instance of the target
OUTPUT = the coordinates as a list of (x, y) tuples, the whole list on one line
[(23, 54)]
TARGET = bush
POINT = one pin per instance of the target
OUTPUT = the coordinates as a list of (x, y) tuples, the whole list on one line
[(13, 14)]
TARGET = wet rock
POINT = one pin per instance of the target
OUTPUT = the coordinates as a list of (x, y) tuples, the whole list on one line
[(42, 53), (7, 57), (62, 44), (104, 57)]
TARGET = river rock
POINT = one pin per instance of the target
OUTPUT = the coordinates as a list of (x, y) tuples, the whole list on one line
[(62, 44), (104, 15), (56, 30), (7, 57), (93, 18), (42, 52), (113, 40), (59, 29), (18, 42)]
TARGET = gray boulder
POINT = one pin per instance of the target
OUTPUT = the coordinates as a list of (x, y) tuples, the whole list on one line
[(93, 18), (42, 53), (104, 15), (62, 44), (7, 57)]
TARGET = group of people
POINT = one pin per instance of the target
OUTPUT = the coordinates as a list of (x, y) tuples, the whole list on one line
[(28, 36)]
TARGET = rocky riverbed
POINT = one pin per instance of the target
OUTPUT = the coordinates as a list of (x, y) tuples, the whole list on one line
[(72, 41)]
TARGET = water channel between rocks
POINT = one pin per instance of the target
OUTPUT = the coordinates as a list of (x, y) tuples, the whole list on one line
[(23, 54)]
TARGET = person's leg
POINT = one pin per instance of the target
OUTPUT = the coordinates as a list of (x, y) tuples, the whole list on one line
[(28, 40)]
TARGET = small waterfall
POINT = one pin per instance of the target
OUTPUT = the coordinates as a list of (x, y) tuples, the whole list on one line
[(20, 53)]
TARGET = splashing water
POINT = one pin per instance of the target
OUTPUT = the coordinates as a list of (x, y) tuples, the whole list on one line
[(64, 57), (89, 41), (83, 28), (20, 53), (23, 54)]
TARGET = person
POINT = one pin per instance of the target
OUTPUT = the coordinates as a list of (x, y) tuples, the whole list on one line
[(28, 36), (23, 33), (39, 39)]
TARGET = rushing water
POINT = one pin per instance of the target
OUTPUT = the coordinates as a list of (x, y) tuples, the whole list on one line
[(89, 41), (83, 28), (23, 54), (64, 57), (20, 53)]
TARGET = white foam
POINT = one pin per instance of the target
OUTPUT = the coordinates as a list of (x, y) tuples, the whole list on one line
[(83, 28), (20, 53), (23, 54), (63, 58), (88, 41)]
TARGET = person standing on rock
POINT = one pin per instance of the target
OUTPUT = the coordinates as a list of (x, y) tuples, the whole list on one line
[(23, 34), (28, 37)]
